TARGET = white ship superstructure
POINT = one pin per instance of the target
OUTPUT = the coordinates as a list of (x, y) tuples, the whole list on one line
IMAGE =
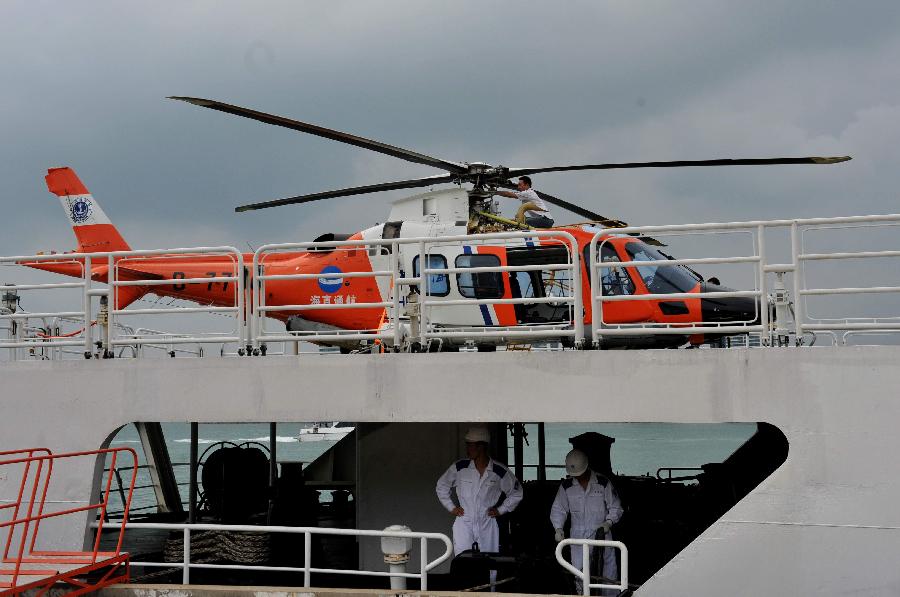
[(823, 520)]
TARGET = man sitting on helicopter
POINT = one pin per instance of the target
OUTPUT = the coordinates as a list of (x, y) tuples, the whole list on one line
[(534, 210)]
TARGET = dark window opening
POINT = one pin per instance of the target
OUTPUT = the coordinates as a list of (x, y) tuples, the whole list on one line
[(438, 284), (480, 285)]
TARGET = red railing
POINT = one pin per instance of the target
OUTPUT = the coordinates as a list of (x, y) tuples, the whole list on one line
[(40, 569)]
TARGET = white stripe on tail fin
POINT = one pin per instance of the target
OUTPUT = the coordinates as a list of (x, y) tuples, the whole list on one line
[(94, 231)]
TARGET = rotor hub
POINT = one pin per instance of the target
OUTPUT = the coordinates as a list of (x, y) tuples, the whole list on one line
[(478, 168)]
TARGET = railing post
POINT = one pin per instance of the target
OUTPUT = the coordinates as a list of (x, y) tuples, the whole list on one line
[(87, 306), (307, 548), (186, 560), (799, 305), (578, 306), (395, 291), (257, 297), (423, 296), (423, 564), (765, 337), (111, 302), (241, 303), (623, 568), (586, 569), (594, 275)]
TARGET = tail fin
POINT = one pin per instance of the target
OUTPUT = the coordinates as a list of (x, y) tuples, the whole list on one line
[(93, 230)]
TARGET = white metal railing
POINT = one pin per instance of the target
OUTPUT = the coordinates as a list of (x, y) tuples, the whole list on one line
[(236, 277), (425, 317), (600, 328), (107, 264), (258, 332), (585, 573), (17, 338), (186, 565), (849, 325), (395, 321), (762, 287)]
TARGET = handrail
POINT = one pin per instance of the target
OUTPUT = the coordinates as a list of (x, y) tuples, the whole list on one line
[(250, 310), (392, 322), (108, 264), (800, 291), (116, 259), (28, 511), (599, 328), (671, 469), (585, 572), (186, 565), (15, 506)]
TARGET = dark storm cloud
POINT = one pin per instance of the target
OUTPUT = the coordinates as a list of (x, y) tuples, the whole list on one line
[(513, 83)]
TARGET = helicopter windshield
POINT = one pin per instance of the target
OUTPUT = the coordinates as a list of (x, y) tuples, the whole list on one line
[(660, 279), (614, 280)]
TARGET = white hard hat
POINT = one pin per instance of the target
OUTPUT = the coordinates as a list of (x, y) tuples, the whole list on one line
[(576, 463), (478, 433)]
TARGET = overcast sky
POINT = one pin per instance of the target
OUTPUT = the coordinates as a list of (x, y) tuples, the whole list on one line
[(514, 83)]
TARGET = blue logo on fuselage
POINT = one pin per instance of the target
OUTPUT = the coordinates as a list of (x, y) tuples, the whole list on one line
[(81, 210), (330, 283)]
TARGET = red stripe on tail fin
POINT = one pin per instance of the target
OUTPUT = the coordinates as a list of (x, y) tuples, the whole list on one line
[(94, 231), (63, 181)]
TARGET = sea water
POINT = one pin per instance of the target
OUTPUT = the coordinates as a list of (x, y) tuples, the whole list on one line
[(639, 448)]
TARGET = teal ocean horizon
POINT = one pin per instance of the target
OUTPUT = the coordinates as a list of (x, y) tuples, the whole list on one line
[(639, 448)]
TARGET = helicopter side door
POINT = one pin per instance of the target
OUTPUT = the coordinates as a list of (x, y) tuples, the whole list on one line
[(540, 283), (462, 286)]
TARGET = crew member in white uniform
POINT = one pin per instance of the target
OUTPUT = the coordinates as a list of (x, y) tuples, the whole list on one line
[(533, 210), (479, 482), (592, 502)]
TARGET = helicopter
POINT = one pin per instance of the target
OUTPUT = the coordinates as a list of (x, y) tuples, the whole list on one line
[(456, 211)]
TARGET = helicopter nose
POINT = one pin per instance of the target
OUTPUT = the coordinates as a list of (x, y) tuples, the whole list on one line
[(727, 309)]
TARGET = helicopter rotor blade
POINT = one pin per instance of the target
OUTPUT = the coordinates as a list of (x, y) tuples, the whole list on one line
[(593, 217), (683, 164), (334, 135), (373, 188)]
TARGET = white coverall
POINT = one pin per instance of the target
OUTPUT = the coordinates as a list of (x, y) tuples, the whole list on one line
[(476, 494), (589, 508)]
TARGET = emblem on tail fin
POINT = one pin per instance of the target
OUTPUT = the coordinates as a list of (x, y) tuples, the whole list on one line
[(81, 210)]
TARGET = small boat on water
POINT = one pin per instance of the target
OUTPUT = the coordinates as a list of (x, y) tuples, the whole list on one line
[(325, 431)]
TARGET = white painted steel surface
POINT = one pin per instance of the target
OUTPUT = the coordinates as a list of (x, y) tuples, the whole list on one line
[(826, 522)]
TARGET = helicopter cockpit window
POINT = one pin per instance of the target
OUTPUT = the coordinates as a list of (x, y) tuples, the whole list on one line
[(613, 280), (660, 279), (438, 284), (483, 285)]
